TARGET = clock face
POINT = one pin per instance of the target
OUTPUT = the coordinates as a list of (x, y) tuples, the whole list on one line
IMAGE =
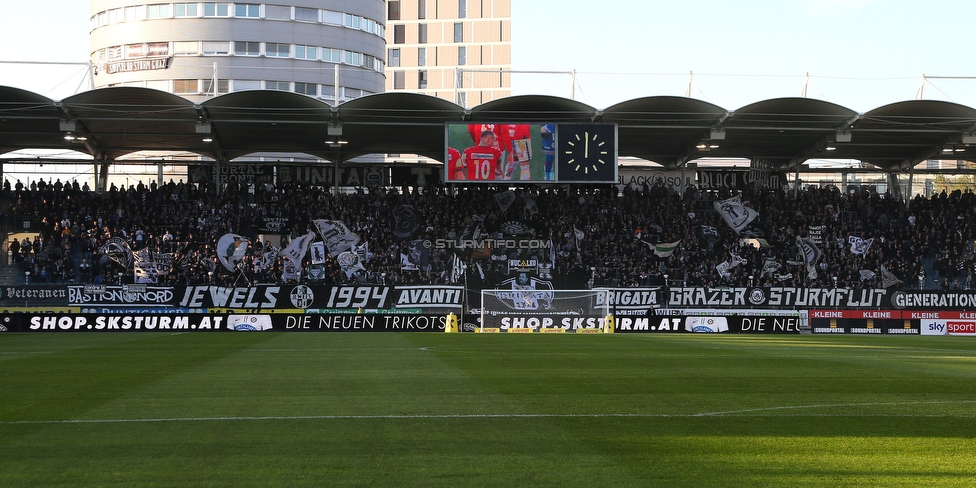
[(587, 152)]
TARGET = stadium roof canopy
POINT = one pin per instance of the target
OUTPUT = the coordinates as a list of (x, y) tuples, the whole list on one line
[(112, 122)]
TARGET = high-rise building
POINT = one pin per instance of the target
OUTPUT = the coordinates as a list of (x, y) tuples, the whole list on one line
[(459, 50), (202, 49)]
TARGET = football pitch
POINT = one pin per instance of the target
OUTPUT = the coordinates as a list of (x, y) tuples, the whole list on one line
[(424, 409)]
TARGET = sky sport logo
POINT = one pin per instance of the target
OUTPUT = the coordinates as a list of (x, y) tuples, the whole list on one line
[(962, 327), (302, 296)]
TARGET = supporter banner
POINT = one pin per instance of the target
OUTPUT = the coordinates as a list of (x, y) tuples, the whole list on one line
[(244, 174), (776, 297), (120, 295), (632, 301), (34, 295), (929, 300), (272, 225), (428, 297), (286, 296), (676, 180), (723, 178), (355, 176)]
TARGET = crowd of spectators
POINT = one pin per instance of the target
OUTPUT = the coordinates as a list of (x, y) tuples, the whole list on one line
[(618, 226)]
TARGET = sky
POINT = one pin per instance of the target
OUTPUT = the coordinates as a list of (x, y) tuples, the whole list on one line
[(861, 54)]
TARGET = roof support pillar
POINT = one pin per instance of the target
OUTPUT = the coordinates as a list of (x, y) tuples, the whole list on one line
[(101, 174)]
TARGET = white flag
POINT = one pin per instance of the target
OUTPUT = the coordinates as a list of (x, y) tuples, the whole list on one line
[(349, 263), (578, 235), (737, 215), (664, 249), (860, 246), (811, 254), (336, 235), (888, 278), (231, 249), (296, 250)]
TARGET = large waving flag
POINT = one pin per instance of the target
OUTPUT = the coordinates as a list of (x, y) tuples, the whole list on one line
[(350, 263), (664, 249), (296, 250), (811, 255), (735, 213), (860, 246), (231, 249), (336, 235)]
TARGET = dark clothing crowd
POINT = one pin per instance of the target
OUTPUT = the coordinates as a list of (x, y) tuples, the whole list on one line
[(599, 235)]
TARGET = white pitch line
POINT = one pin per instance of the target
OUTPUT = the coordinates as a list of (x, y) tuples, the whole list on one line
[(519, 415)]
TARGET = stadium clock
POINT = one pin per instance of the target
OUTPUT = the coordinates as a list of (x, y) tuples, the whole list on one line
[(587, 152)]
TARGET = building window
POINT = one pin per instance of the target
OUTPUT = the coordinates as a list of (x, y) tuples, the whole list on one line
[(458, 32), (331, 55), (158, 11), (351, 21), (393, 57), (276, 85), (277, 50), (249, 10), (421, 56), (399, 34), (330, 17), (328, 92), (462, 56), (223, 86), (422, 34), (275, 12), (422, 79), (421, 9), (185, 86), (462, 9), (241, 85), (307, 14), (306, 52), (184, 48), (185, 10), (247, 48), (306, 88), (393, 10), (353, 58), (135, 13), (398, 80), (213, 48), (213, 9), (462, 99)]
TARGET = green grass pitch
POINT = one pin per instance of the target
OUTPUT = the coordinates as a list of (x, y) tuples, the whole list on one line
[(346, 409)]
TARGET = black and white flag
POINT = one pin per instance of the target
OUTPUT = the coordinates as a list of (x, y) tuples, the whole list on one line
[(860, 246), (811, 255), (336, 235), (735, 213)]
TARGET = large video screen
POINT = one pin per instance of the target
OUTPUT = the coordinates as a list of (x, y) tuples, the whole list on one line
[(531, 153)]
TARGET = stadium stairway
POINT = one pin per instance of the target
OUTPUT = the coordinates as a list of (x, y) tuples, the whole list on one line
[(10, 275)]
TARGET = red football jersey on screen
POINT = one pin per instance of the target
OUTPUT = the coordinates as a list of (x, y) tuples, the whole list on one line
[(481, 162), (454, 164)]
